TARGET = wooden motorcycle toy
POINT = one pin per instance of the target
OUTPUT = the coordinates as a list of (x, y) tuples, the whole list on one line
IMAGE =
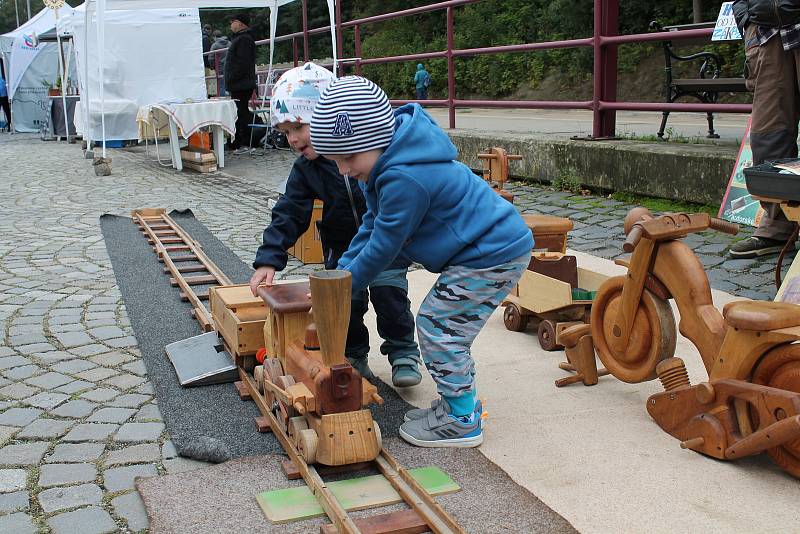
[(750, 403), (317, 399)]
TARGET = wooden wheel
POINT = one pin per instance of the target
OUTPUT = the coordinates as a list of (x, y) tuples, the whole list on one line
[(296, 425), (652, 337), (547, 335), (258, 375), (780, 368), (513, 318), (378, 435), (307, 445), (283, 412), (272, 369)]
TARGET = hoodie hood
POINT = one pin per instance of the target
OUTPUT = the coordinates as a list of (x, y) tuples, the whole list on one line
[(417, 139)]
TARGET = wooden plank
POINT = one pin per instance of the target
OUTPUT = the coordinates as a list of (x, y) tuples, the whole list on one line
[(170, 240), (402, 522), (292, 504), (178, 248), (540, 293), (196, 280), (177, 259), (189, 269), (590, 280)]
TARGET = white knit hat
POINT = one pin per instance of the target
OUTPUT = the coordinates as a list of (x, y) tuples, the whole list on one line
[(353, 115), (296, 93)]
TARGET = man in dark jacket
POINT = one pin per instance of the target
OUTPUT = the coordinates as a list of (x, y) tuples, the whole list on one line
[(771, 30), (240, 77)]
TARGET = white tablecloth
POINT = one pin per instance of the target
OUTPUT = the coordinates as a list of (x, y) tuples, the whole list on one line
[(190, 117)]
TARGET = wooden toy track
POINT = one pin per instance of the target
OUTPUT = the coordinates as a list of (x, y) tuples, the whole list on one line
[(174, 246)]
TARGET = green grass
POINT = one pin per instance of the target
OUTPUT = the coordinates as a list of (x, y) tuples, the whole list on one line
[(662, 204)]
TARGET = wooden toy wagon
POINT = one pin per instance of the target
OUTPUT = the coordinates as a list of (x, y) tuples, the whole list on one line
[(553, 290)]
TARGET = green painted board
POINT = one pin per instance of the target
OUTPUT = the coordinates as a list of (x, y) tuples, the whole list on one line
[(294, 504)]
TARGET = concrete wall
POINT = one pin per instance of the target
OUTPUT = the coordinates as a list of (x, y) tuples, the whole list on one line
[(694, 173)]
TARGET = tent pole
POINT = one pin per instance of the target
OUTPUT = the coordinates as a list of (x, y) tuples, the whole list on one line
[(87, 134), (63, 79)]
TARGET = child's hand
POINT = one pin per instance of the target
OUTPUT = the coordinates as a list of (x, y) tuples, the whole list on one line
[(264, 274)]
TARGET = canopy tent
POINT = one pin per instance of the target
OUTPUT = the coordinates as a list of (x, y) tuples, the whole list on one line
[(29, 64), (149, 56), (101, 6)]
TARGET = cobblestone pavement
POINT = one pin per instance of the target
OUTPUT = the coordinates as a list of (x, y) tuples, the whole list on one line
[(78, 419)]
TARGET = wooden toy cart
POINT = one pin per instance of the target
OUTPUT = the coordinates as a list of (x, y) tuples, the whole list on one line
[(547, 299)]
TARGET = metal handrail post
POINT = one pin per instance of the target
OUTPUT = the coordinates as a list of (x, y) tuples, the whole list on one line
[(306, 53), (451, 70), (339, 41), (357, 31)]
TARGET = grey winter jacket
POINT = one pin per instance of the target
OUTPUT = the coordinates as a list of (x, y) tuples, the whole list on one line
[(766, 13), (220, 44)]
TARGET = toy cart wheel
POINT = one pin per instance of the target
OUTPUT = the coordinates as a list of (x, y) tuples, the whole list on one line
[(652, 338), (307, 445), (296, 425), (547, 335), (780, 368), (258, 374), (513, 318)]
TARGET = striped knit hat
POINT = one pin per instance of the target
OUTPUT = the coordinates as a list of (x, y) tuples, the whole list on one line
[(353, 115)]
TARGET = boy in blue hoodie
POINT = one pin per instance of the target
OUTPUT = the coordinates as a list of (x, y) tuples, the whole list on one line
[(313, 177), (424, 206)]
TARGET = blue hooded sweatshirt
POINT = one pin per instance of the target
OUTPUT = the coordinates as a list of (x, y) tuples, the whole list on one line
[(425, 207)]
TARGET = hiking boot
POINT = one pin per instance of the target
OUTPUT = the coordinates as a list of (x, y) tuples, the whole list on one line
[(405, 374), (441, 429), (754, 247), (361, 365), (419, 413)]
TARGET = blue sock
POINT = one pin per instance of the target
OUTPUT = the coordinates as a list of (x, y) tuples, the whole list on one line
[(462, 406)]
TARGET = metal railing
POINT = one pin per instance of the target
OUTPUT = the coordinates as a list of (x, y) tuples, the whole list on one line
[(604, 43)]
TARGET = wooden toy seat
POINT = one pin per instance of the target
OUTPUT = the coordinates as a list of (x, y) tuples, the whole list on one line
[(761, 316), (549, 232)]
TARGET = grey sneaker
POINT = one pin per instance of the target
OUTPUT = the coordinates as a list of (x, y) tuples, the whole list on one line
[(361, 365), (405, 373), (754, 247), (419, 413), (241, 150), (440, 429)]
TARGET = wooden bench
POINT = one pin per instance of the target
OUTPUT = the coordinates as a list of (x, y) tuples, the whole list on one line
[(707, 86)]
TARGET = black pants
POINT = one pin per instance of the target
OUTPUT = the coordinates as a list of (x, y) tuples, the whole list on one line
[(394, 318), (6, 109), (243, 117)]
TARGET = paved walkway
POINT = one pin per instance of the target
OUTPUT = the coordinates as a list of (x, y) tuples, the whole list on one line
[(78, 419)]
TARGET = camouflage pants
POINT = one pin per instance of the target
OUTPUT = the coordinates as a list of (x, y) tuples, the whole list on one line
[(452, 315)]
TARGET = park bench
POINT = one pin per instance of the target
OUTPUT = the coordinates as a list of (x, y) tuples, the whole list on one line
[(708, 84)]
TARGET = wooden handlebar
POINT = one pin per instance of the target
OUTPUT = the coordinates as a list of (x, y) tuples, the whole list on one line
[(723, 226), (633, 238)]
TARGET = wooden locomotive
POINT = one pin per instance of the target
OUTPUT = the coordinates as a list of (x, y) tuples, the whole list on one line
[(316, 397)]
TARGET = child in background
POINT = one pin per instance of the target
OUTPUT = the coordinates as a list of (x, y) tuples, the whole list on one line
[(423, 206), (313, 177)]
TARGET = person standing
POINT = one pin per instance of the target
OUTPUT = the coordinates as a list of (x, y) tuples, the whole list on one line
[(422, 80), (221, 42), (207, 45), (4, 101), (772, 47), (240, 77)]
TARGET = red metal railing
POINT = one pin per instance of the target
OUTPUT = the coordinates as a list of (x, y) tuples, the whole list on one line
[(604, 42)]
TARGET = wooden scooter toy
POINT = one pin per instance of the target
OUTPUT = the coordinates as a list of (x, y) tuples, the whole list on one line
[(317, 398), (751, 402)]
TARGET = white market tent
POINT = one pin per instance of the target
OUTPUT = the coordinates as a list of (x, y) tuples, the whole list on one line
[(28, 65), (149, 56), (100, 7)]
